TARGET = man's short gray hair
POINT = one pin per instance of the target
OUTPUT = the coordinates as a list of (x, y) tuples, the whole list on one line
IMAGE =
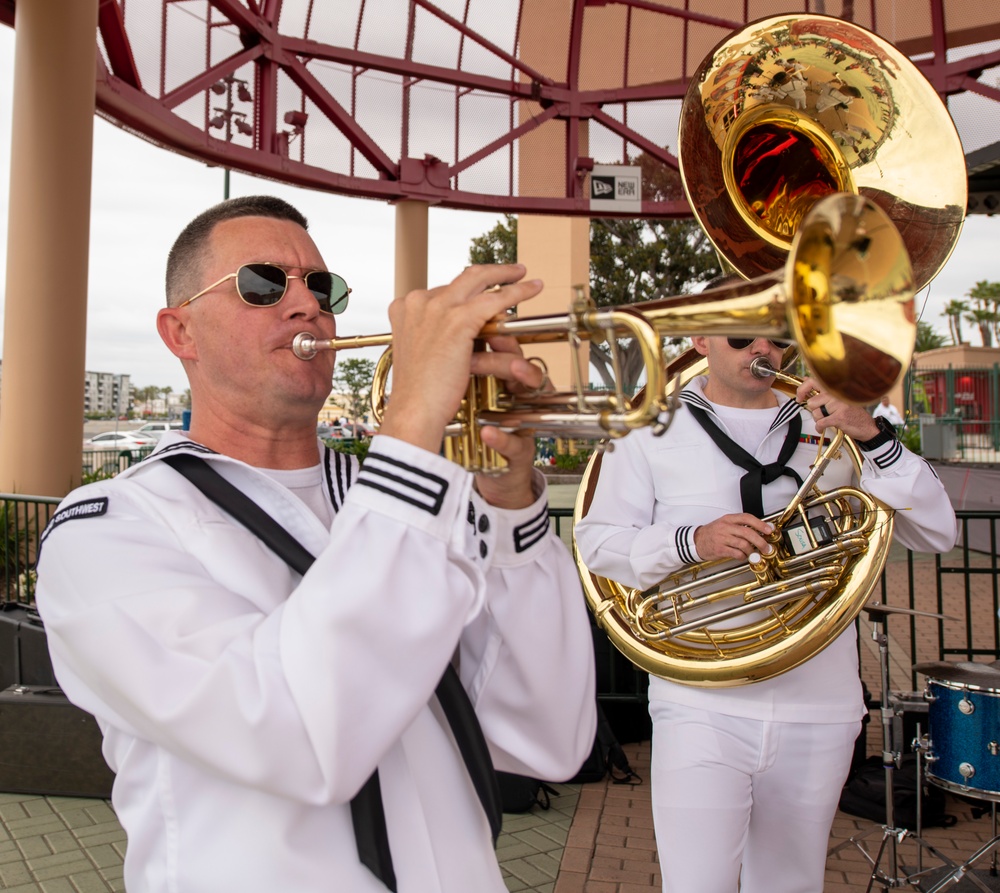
[(185, 259)]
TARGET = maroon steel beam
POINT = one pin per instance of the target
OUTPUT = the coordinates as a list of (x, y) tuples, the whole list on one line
[(203, 81), (121, 98), (246, 20), (462, 28), (133, 109), (338, 115), (266, 107), (404, 67), (685, 14), (957, 77), (532, 123), (111, 24), (646, 145)]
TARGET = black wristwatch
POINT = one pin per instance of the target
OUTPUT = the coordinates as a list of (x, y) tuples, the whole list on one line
[(886, 433)]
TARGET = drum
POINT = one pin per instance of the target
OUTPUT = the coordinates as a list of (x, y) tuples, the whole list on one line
[(964, 718)]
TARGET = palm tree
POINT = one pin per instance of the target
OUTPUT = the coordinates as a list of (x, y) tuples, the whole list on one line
[(954, 311), (986, 320), (987, 297), (927, 338)]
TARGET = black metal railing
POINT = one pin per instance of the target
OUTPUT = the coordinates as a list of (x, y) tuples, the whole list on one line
[(98, 464), (22, 520), (963, 585)]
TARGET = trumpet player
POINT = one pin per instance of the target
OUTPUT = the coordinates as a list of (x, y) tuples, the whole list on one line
[(745, 780), (281, 725)]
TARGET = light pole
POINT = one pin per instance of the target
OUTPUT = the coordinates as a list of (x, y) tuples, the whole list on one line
[(229, 117)]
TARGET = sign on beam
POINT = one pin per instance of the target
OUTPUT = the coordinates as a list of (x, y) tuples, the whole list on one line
[(616, 189)]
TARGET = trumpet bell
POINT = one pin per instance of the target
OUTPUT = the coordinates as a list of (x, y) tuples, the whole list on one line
[(792, 108), (851, 298)]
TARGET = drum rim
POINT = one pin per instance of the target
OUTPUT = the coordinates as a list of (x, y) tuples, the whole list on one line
[(964, 790), (961, 686)]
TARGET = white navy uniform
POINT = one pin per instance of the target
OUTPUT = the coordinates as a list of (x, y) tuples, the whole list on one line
[(651, 496), (243, 706)]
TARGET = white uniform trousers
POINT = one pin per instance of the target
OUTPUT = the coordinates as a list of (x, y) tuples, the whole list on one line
[(730, 792)]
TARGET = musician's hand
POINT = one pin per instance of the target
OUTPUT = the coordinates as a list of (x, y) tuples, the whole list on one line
[(829, 412), (513, 489), (432, 339), (732, 536)]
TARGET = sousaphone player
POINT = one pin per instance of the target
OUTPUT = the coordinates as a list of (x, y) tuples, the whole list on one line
[(746, 779), (753, 732)]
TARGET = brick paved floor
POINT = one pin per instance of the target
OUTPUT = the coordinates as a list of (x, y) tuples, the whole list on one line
[(611, 849), (59, 845), (531, 845), (595, 838)]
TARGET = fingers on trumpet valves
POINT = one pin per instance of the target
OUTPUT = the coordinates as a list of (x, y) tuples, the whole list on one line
[(545, 386)]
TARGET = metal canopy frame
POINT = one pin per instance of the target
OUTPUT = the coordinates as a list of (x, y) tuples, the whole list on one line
[(316, 94)]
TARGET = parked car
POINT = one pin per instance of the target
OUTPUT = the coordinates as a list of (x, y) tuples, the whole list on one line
[(113, 451), (156, 430), (333, 432), (119, 440)]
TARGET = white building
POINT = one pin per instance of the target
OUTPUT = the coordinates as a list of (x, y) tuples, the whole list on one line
[(105, 393)]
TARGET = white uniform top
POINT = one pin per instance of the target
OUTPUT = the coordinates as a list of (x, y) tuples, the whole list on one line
[(243, 706), (653, 492)]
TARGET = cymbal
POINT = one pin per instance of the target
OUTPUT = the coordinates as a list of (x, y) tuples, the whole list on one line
[(877, 608), (963, 672)]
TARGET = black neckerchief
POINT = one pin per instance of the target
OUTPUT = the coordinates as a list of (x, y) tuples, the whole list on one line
[(757, 474)]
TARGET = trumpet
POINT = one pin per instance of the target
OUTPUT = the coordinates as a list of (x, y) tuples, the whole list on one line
[(581, 413), (845, 296)]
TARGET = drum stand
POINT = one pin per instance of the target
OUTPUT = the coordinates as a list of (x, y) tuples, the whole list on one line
[(891, 835), (958, 871), (962, 871)]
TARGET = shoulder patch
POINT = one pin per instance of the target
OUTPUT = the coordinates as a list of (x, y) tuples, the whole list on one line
[(78, 510)]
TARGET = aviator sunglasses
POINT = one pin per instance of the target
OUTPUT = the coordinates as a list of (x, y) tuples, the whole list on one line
[(264, 284), (744, 343)]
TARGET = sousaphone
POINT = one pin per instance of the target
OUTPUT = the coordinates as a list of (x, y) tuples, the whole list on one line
[(780, 116)]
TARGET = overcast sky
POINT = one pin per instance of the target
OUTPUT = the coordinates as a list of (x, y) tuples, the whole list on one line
[(142, 196)]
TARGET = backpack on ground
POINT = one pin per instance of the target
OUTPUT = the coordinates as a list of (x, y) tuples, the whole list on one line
[(606, 757), (864, 796), (519, 793)]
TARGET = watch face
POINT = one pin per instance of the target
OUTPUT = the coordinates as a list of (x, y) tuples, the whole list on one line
[(885, 426), (887, 432)]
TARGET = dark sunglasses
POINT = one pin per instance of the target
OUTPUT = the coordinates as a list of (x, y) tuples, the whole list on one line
[(264, 284), (744, 343)]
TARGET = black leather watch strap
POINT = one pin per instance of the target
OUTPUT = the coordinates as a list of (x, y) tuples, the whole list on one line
[(886, 433)]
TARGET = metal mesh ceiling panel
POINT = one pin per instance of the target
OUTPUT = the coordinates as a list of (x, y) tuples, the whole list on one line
[(498, 104)]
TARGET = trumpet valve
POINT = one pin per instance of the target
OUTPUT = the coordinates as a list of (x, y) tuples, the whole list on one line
[(760, 567)]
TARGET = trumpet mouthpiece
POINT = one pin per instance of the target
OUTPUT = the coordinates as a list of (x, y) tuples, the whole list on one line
[(761, 368), (304, 346)]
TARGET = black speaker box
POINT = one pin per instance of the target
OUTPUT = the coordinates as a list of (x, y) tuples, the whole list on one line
[(24, 651), (49, 746)]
